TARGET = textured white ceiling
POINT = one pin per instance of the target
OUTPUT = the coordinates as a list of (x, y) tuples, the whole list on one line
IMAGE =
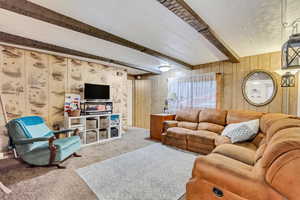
[(249, 27)]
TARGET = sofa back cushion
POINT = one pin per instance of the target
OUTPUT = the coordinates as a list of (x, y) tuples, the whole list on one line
[(280, 125), (214, 116), (282, 162), (216, 128), (268, 119), (189, 115), (281, 142), (237, 116), (188, 125)]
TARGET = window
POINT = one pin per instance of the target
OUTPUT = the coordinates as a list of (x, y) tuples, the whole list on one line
[(197, 91)]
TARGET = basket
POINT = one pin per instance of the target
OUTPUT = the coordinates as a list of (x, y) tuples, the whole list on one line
[(74, 113)]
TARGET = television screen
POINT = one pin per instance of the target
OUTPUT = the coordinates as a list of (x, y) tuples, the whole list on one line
[(92, 91)]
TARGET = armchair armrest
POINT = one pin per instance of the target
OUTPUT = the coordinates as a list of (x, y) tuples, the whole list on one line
[(169, 124), (65, 131), (30, 140)]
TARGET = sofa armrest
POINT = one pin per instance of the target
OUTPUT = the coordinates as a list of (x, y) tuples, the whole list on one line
[(169, 124), (30, 140), (222, 140), (258, 139)]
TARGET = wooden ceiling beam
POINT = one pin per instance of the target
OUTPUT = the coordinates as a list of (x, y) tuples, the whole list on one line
[(187, 14), (26, 42), (36, 11)]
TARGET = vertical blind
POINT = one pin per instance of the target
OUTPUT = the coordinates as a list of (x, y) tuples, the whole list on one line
[(195, 91)]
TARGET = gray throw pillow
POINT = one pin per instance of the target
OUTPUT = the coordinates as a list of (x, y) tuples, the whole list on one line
[(241, 132)]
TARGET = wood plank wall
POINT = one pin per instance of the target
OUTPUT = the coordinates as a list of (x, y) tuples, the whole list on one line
[(233, 75), (142, 103), (34, 83)]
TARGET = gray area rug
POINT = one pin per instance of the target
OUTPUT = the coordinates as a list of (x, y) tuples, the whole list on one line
[(155, 172)]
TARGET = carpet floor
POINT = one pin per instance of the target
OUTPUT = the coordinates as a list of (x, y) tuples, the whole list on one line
[(50, 183), (150, 173)]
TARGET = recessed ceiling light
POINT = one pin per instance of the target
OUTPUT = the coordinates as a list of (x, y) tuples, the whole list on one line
[(164, 68)]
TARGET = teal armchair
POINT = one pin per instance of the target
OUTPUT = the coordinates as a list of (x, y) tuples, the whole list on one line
[(37, 145)]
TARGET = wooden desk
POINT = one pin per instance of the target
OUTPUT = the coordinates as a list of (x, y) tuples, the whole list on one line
[(156, 124)]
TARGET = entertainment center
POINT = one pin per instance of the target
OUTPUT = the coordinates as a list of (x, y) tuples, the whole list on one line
[(96, 123), (96, 128)]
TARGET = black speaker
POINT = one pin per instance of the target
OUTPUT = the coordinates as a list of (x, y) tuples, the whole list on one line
[(114, 132)]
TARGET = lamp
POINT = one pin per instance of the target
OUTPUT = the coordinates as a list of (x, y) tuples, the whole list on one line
[(171, 98)]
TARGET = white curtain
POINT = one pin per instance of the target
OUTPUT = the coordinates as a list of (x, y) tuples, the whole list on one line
[(196, 91)]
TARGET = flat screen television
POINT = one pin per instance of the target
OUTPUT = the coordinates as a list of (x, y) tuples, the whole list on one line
[(93, 91)]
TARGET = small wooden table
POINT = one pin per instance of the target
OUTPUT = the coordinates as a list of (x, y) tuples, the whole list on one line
[(156, 124)]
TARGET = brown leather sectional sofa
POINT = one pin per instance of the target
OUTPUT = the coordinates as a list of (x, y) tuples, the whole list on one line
[(198, 130), (265, 168)]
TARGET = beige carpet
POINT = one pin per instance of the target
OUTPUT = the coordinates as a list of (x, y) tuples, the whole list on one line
[(44, 183)]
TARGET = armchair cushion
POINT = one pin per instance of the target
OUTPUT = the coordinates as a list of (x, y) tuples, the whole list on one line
[(41, 154)]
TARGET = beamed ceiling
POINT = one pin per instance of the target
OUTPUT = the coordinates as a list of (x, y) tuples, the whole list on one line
[(144, 34)]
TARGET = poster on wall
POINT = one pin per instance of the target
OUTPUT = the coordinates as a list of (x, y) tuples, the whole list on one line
[(72, 102)]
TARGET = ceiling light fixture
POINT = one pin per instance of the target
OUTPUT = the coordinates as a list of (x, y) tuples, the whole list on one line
[(164, 68)]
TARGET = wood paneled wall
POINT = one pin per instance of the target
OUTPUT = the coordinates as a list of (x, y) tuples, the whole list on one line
[(233, 75), (142, 103), (34, 83)]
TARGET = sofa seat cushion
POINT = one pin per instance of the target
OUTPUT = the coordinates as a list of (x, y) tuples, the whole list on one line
[(201, 141), (176, 137), (188, 125), (210, 127), (177, 132), (210, 165), (201, 136), (239, 153), (248, 145)]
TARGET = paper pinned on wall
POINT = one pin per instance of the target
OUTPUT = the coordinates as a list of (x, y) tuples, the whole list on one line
[(72, 102)]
